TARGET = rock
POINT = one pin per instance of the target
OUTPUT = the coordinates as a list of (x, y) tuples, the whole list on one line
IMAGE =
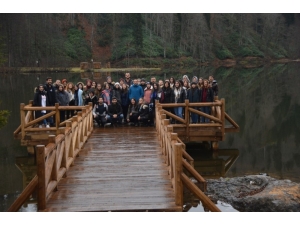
[(256, 193)]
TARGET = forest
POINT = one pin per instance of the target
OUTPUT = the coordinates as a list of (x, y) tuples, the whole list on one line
[(145, 39)]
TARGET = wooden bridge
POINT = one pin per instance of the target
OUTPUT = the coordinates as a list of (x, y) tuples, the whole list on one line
[(115, 169)]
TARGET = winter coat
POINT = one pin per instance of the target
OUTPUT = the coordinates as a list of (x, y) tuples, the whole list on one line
[(62, 98), (134, 109), (182, 96), (136, 92), (147, 94), (193, 95), (37, 101), (100, 109), (94, 100), (107, 95), (209, 95), (143, 111), (79, 98), (116, 93), (168, 95), (51, 94), (115, 109), (125, 98)]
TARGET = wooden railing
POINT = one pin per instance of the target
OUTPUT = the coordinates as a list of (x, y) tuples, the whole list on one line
[(189, 132), (54, 159), (177, 159)]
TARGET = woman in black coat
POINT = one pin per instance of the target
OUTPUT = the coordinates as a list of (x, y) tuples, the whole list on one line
[(206, 95), (193, 95), (62, 98), (40, 99)]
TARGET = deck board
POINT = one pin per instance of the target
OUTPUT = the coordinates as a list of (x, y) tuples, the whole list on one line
[(118, 169)]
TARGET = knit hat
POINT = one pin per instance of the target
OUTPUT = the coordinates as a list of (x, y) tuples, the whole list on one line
[(117, 83), (143, 79)]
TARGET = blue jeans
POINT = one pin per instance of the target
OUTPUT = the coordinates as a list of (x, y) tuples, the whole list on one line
[(194, 116), (178, 111), (206, 110), (115, 120), (44, 120)]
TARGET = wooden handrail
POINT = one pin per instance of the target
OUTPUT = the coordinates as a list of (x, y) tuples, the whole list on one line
[(175, 156), (54, 159), (203, 198), (29, 189)]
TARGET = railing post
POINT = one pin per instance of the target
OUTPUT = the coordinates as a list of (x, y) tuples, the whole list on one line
[(57, 118), (90, 117), (62, 130), (69, 146), (177, 174), (40, 155), (51, 139), (187, 120), (223, 118), (22, 114)]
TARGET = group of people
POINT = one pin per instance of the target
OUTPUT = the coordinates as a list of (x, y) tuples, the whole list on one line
[(129, 101)]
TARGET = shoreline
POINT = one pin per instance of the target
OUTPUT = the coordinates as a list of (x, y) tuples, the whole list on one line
[(247, 62)]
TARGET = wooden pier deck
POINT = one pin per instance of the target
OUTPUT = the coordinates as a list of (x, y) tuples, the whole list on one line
[(118, 169)]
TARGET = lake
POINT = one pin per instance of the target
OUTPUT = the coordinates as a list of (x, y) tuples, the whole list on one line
[(264, 101)]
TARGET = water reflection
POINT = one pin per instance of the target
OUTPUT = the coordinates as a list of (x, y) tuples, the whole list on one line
[(211, 165), (214, 164)]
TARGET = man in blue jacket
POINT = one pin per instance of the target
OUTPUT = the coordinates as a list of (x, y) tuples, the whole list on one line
[(136, 91)]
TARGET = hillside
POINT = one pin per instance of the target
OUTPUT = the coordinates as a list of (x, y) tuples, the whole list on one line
[(146, 39)]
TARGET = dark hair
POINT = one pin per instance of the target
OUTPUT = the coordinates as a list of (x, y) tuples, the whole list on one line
[(49, 78), (178, 83)]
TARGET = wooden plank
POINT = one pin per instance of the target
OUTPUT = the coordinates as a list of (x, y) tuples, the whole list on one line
[(110, 175)]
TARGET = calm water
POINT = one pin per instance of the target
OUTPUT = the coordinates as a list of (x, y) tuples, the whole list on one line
[(265, 102)]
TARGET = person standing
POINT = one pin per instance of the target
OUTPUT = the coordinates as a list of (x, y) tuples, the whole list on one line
[(110, 82), (215, 88), (51, 96), (206, 95), (78, 96), (152, 81), (147, 93), (128, 80), (194, 97), (70, 90), (136, 91), (143, 83), (125, 101), (92, 98), (180, 97), (116, 91), (40, 99), (107, 94), (63, 100)]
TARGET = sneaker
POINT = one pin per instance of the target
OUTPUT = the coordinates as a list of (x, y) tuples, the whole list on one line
[(107, 124), (47, 126), (40, 126)]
